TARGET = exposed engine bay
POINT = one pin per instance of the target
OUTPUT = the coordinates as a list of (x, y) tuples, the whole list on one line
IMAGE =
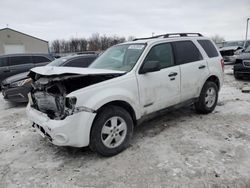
[(48, 93)]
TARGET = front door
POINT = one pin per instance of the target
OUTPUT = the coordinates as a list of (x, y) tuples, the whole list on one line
[(159, 89)]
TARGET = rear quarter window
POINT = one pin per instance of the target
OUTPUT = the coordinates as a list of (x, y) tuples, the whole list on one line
[(209, 48), (186, 52)]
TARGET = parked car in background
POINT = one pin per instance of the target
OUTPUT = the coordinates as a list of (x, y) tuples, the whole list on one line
[(242, 64), (16, 88), (13, 64), (100, 105), (230, 50)]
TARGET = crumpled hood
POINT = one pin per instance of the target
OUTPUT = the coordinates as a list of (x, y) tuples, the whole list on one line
[(53, 71), (230, 48)]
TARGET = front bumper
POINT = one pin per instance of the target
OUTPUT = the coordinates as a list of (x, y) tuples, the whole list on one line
[(74, 130), (16, 94), (241, 69)]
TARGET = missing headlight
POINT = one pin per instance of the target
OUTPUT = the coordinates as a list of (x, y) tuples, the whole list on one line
[(70, 102)]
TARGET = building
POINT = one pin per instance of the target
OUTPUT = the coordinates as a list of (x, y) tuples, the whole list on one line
[(12, 41)]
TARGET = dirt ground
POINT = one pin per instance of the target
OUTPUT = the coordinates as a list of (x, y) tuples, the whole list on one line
[(178, 149)]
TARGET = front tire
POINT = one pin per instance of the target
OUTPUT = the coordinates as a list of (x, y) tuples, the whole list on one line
[(112, 131), (237, 76), (208, 98)]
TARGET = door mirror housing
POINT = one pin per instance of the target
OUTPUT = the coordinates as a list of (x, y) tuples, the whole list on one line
[(150, 66)]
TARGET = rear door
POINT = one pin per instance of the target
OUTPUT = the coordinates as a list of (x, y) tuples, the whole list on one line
[(193, 68), (159, 89), (19, 64)]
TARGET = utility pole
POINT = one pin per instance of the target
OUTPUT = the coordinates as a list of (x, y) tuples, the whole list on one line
[(246, 33)]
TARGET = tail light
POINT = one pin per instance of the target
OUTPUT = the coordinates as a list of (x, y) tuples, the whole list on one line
[(222, 64)]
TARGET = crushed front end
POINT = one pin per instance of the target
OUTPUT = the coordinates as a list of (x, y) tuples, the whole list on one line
[(57, 116)]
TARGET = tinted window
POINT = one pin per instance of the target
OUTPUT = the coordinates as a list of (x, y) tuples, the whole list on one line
[(40, 59), (163, 54), (20, 60), (80, 62), (3, 61), (209, 48), (185, 52)]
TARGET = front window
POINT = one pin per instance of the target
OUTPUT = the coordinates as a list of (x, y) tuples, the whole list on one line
[(121, 57)]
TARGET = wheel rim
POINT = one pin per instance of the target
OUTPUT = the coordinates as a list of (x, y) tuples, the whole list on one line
[(210, 97), (114, 132)]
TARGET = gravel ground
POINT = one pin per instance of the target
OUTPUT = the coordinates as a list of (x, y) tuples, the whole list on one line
[(178, 149)]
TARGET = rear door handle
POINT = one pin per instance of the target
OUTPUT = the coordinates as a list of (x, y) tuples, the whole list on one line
[(202, 66), (172, 74)]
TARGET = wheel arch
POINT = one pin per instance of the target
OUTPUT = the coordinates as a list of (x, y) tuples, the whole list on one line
[(215, 79), (122, 104)]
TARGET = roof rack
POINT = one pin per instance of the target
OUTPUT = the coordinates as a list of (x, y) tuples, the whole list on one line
[(168, 35)]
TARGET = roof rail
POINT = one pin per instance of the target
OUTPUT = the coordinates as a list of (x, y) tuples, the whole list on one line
[(168, 35)]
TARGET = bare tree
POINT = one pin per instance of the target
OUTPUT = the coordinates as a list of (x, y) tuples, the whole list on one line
[(217, 38), (83, 43), (94, 42), (56, 46), (130, 38)]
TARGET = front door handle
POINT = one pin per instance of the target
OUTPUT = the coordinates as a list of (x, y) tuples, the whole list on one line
[(172, 74), (202, 66)]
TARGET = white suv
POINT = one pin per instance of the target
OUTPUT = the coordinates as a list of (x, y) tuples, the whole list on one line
[(100, 105)]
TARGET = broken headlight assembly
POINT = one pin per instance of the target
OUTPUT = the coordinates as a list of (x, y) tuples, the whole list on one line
[(70, 102), (21, 82)]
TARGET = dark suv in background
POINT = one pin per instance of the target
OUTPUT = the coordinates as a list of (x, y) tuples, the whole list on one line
[(17, 63), (242, 64), (17, 87)]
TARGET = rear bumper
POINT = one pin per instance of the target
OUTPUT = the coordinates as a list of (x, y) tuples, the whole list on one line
[(73, 131), (17, 94)]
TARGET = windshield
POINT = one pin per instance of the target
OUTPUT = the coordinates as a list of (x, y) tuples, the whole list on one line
[(247, 49), (121, 57), (58, 62)]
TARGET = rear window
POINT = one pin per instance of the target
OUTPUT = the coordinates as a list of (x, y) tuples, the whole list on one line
[(40, 59), (3, 62), (209, 48), (186, 52), (19, 60), (80, 62)]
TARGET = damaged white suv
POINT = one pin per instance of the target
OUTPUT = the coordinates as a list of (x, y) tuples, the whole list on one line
[(100, 105)]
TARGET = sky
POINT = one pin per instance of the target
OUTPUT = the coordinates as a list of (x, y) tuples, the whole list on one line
[(64, 19)]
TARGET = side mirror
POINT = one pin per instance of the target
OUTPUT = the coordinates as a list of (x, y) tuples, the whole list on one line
[(150, 66)]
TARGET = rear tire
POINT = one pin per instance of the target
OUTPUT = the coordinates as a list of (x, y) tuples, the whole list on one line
[(208, 98), (112, 131)]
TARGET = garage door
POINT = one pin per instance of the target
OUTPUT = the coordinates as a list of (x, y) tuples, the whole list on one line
[(14, 48)]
